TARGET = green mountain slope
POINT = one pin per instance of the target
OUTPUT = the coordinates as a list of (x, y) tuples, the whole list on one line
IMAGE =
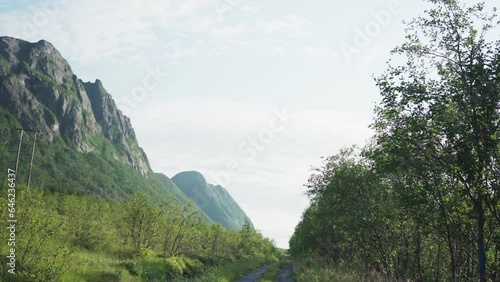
[(215, 201), (85, 145), (174, 190)]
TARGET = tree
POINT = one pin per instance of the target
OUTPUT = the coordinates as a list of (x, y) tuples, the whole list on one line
[(441, 110), (139, 223)]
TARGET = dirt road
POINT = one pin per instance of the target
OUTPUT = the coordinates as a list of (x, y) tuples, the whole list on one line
[(255, 275), (285, 275)]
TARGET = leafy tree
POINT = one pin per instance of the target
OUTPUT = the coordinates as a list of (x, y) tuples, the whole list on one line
[(441, 111), (41, 247), (139, 223)]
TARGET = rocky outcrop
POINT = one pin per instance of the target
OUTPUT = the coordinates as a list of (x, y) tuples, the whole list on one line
[(39, 88)]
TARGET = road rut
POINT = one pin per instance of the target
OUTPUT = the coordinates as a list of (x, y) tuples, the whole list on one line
[(286, 274), (256, 274)]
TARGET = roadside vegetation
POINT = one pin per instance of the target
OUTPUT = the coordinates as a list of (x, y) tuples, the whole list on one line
[(421, 202), (231, 272), (317, 270), (62, 237)]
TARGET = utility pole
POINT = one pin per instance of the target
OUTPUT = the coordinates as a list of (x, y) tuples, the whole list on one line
[(32, 155), (32, 151), (19, 149)]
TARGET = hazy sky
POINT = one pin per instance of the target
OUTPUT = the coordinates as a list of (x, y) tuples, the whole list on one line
[(251, 93)]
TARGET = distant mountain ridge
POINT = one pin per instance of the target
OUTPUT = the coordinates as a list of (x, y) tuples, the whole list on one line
[(214, 200), (86, 144)]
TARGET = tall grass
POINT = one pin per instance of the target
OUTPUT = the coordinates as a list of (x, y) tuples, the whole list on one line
[(97, 267), (311, 270)]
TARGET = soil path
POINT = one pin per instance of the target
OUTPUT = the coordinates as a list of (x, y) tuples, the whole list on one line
[(255, 275), (286, 274)]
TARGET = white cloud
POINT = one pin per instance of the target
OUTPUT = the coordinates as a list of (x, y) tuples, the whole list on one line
[(91, 30), (311, 51), (263, 46), (180, 54), (231, 31), (252, 10), (290, 24)]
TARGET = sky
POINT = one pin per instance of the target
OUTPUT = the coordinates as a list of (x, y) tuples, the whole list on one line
[(251, 93)]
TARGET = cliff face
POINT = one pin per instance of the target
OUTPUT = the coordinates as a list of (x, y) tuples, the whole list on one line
[(39, 88)]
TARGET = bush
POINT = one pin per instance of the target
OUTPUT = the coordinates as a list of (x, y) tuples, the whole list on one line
[(134, 267), (193, 267), (174, 266), (163, 268)]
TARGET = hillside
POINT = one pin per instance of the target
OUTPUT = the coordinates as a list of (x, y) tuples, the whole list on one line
[(96, 211), (213, 200), (85, 145)]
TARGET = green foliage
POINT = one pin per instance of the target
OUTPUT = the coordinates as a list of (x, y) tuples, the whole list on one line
[(94, 217), (96, 266), (163, 269), (272, 273), (58, 167), (421, 202), (231, 272), (315, 270), (41, 249), (64, 237)]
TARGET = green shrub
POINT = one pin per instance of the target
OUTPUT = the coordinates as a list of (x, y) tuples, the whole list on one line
[(174, 267), (193, 267), (158, 269), (134, 267), (163, 268)]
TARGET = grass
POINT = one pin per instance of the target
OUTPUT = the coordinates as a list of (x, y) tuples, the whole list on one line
[(229, 272), (91, 266), (98, 267), (309, 270), (271, 275)]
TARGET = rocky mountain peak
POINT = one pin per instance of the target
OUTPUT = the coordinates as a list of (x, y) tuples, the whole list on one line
[(39, 88)]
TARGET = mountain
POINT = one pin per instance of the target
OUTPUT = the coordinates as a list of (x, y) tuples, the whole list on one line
[(41, 91), (85, 143), (183, 198), (213, 200)]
